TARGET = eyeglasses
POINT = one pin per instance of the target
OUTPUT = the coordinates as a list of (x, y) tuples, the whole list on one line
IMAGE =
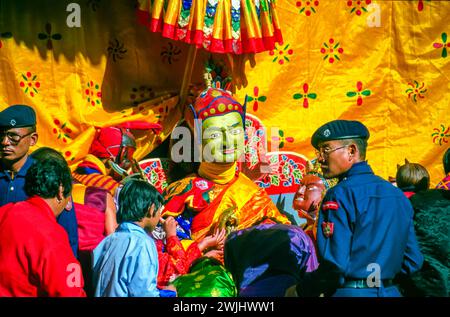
[(327, 152), (13, 138)]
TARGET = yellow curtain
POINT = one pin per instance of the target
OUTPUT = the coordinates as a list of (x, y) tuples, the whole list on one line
[(381, 62), (384, 63), (106, 71)]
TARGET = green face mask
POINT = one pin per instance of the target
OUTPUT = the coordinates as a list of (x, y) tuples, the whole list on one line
[(223, 138)]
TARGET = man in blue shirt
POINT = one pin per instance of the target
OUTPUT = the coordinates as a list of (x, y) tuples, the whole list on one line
[(365, 234), (125, 263), (17, 135)]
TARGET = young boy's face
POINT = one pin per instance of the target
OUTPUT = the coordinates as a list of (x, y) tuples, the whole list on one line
[(151, 221)]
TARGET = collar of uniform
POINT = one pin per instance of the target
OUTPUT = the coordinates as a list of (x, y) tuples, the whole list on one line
[(23, 170), (130, 227), (42, 205), (357, 169)]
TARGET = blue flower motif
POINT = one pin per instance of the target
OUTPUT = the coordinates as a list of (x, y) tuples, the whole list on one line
[(235, 14), (187, 4), (258, 11), (210, 10)]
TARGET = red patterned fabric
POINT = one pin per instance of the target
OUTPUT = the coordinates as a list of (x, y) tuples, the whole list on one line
[(174, 260)]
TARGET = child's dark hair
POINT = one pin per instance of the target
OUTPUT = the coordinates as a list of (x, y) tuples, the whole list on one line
[(135, 199), (44, 178)]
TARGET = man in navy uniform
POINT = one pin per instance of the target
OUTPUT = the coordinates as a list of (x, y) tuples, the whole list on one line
[(17, 135), (365, 229)]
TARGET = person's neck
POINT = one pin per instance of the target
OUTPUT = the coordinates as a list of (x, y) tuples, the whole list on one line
[(140, 224), (220, 173), (14, 166), (54, 206)]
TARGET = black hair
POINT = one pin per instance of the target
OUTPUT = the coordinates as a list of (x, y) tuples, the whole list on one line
[(135, 199), (46, 176), (446, 161), (43, 153)]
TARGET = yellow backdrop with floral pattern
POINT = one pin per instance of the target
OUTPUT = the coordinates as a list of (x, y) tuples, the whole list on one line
[(384, 63)]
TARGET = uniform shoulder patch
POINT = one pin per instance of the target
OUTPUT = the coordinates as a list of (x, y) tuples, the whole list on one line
[(333, 205), (327, 229)]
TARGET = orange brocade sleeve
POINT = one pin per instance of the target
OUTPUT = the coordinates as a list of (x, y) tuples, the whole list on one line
[(257, 208), (174, 260)]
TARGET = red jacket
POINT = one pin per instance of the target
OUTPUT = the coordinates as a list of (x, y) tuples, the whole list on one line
[(35, 254), (173, 260)]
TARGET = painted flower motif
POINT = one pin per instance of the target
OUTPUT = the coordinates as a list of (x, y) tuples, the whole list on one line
[(93, 93), (29, 84), (235, 14), (358, 6), (281, 139), (187, 4), (169, 53), (69, 156), (416, 90), (137, 95), (440, 136), (116, 50), (256, 98), (307, 7), (211, 7), (287, 172), (442, 45), (331, 51), (49, 36), (421, 4), (282, 54), (359, 92), (305, 95), (62, 131), (4, 35)]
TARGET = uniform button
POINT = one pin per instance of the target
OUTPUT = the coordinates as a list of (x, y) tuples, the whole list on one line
[(12, 188)]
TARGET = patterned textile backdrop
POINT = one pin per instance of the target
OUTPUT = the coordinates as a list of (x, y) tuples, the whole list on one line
[(382, 62)]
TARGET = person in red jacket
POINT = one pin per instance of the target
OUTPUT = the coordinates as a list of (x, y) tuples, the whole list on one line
[(36, 258), (174, 259)]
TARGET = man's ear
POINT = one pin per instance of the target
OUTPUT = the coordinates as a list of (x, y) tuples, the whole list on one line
[(353, 150), (34, 138)]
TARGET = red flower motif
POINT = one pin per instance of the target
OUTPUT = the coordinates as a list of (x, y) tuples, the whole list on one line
[(62, 131), (416, 90), (307, 7), (29, 84), (331, 51), (68, 154), (93, 94), (358, 6), (420, 5), (442, 45), (281, 139), (256, 98), (305, 95), (441, 135), (282, 54), (359, 93)]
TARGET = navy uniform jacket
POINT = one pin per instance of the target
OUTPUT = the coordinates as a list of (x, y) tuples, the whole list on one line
[(12, 190), (364, 220)]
